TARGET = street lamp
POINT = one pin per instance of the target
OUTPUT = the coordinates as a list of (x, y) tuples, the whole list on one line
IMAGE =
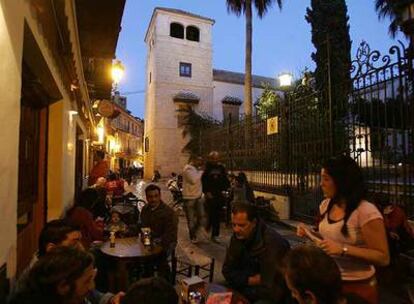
[(117, 72), (285, 80)]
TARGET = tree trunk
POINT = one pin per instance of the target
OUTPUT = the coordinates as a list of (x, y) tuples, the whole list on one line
[(248, 61)]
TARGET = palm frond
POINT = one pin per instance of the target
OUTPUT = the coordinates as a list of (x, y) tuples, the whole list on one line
[(392, 10), (236, 7)]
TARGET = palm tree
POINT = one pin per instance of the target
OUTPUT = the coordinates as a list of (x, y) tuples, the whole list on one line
[(239, 7), (393, 10)]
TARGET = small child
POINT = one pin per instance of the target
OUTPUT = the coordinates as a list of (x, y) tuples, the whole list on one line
[(116, 224)]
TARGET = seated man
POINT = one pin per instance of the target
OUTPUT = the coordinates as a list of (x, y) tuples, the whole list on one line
[(163, 222), (314, 278), (253, 263), (58, 233), (160, 218), (151, 291), (54, 233)]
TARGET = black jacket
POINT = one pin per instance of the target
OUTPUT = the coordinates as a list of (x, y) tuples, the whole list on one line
[(163, 222), (215, 179), (262, 254)]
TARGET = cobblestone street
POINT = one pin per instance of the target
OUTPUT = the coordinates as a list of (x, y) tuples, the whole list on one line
[(391, 291)]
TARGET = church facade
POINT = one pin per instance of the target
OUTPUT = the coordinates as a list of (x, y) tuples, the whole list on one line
[(180, 75)]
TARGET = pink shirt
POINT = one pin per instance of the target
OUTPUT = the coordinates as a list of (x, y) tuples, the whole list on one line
[(352, 269)]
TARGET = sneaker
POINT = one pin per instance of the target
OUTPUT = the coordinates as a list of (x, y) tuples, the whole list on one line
[(194, 241)]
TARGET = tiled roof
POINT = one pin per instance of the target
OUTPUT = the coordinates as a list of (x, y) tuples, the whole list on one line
[(181, 12), (232, 100), (186, 97), (238, 78)]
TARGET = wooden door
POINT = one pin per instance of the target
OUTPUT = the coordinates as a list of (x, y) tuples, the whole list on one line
[(31, 201)]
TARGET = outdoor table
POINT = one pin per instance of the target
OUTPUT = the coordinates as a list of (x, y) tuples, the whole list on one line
[(237, 298), (128, 250)]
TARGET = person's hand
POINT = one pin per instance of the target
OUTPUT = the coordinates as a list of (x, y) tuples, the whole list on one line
[(330, 247), (394, 236), (300, 230), (116, 299), (254, 280)]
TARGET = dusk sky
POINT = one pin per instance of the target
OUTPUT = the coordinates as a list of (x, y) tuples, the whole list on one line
[(281, 40)]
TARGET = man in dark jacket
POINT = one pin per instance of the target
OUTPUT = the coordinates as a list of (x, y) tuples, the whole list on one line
[(253, 264), (215, 181), (163, 222)]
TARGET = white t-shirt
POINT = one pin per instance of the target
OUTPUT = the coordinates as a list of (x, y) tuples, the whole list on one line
[(192, 187), (352, 269)]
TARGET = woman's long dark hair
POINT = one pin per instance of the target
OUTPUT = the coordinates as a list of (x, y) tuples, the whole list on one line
[(349, 182)]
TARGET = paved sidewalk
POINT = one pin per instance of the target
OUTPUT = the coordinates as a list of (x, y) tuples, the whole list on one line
[(390, 292)]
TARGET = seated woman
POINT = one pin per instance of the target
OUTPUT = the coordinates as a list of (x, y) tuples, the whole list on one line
[(352, 228), (115, 185), (400, 233), (81, 215)]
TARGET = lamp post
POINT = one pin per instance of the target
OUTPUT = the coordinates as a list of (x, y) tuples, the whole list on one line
[(285, 80), (117, 72), (285, 84)]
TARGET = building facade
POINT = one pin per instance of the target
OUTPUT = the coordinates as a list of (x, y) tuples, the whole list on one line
[(48, 66), (125, 145), (180, 75)]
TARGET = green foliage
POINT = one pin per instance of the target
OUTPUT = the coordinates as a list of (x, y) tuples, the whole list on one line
[(193, 127), (268, 102), (238, 7), (378, 113), (330, 36)]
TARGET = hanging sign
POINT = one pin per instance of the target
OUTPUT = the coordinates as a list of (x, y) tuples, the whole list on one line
[(106, 108), (272, 125)]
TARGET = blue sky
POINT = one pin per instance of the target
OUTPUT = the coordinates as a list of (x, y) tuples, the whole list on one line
[(281, 40)]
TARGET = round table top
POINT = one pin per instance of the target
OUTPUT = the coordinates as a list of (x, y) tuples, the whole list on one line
[(130, 248), (237, 298)]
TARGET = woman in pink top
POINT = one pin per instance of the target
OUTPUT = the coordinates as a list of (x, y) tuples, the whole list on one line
[(352, 228)]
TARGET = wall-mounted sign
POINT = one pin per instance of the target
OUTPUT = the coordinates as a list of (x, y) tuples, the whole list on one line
[(106, 108), (272, 125)]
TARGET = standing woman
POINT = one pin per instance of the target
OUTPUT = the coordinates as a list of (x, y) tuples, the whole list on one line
[(352, 228)]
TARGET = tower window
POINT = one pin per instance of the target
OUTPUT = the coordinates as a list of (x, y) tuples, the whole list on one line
[(192, 33), (185, 69), (177, 30)]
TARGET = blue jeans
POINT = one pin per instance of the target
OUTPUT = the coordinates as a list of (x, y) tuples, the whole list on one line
[(196, 217)]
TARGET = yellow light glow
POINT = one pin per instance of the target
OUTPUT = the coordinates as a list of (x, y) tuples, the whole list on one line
[(117, 71), (285, 80), (101, 133)]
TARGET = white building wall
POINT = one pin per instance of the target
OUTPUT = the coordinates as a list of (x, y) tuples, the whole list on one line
[(165, 54), (11, 49), (13, 15), (223, 89)]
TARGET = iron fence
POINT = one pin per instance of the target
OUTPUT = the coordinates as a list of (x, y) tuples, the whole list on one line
[(374, 125)]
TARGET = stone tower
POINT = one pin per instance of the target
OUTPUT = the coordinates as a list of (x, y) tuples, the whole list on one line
[(179, 75)]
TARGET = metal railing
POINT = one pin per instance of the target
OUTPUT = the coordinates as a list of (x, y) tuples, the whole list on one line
[(374, 126)]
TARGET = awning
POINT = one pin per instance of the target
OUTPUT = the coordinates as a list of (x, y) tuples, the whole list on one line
[(186, 97), (232, 100)]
